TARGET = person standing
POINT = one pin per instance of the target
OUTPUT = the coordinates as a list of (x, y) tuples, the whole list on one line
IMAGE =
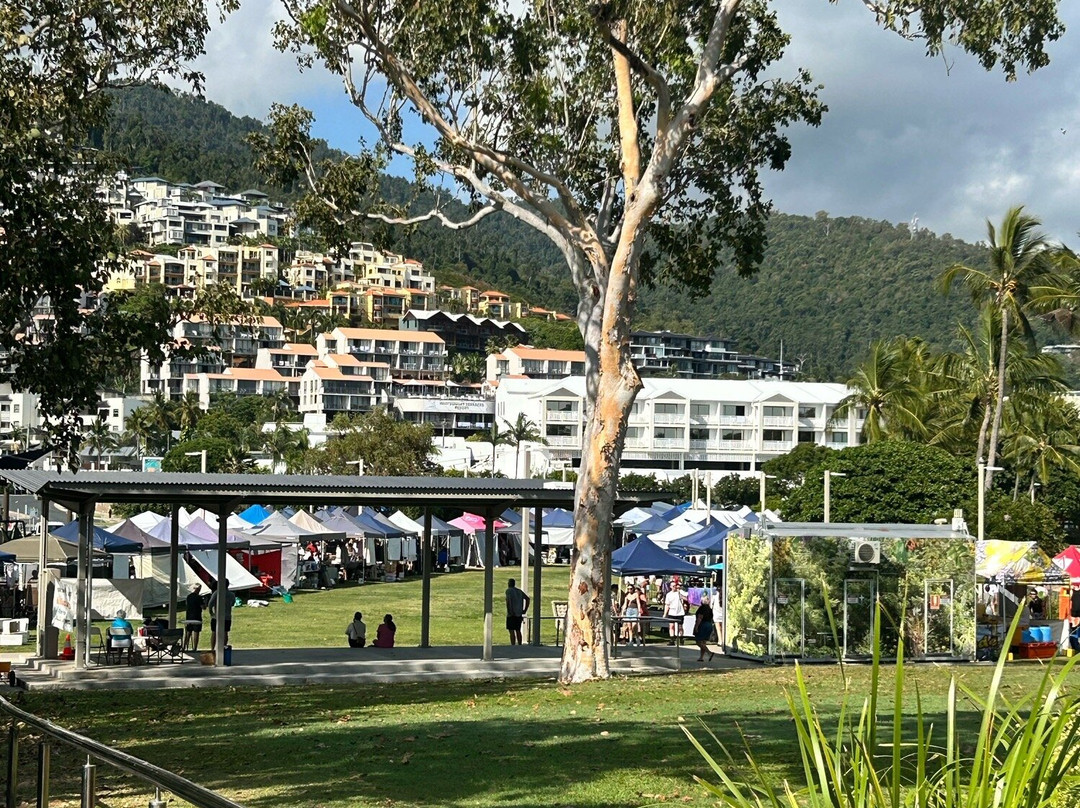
[(703, 629), (517, 603), (193, 608), (357, 631), (222, 610), (675, 607)]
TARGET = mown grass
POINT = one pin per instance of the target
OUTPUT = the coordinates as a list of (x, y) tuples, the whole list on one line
[(612, 743)]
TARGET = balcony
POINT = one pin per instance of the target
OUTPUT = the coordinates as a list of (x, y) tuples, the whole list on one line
[(781, 446), (563, 440), (571, 416), (772, 420), (736, 420), (734, 445), (669, 418), (700, 444), (669, 443)]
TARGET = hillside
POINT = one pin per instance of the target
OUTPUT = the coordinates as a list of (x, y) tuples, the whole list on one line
[(827, 287)]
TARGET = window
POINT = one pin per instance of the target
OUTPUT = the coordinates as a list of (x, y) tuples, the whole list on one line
[(807, 412), (561, 406), (668, 409), (560, 431), (699, 433), (736, 410), (806, 436), (777, 412), (668, 433), (731, 434), (700, 410), (838, 437), (776, 435)]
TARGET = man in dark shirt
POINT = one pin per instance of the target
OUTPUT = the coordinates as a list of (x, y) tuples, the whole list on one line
[(517, 603), (193, 618)]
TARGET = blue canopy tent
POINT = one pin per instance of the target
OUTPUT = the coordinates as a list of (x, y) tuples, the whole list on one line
[(6, 556), (102, 539), (709, 540), (654, 524), (642, 557), (255, 514)]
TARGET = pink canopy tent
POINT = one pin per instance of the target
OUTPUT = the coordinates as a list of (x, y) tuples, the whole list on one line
[(471, 523), (1069, 560)]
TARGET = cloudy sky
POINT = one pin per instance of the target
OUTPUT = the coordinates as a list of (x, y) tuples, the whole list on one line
[(906, 136)]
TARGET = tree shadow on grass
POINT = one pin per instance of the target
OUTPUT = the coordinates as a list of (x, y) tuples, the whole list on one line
[(349, 746)]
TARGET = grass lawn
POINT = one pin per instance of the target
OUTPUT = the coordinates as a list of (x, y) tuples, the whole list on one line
[(613, 743)]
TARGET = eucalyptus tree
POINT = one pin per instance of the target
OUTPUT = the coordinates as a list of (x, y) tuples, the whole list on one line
[(1022, 277), (632, 135)]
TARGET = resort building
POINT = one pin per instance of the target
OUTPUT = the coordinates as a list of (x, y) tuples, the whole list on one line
[(234, 381), (685, 356), (409, 354), (462, 333), (534, 363), (731, 426)]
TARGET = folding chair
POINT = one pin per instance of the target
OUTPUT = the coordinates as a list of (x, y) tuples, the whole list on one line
[(119, 641), (165, 645), (97, 643)]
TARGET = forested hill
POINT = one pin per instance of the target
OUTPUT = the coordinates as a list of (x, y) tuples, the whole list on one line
[(827, 287)]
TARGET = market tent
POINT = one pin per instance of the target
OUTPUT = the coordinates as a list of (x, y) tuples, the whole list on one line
[(129, 530), (102, 539), (146, 520), (318, 530), (1016, 562), (154, 570), (57, 550), (636, 516), (278, 527), (185, 538), (654, 524), (676, 530), (255, 514), (372, 525), (511, 516), (233, 522), (5, 557), (340, 523), (1069, 561), (708, 540), (238, 577), (471, 523), (642, 557)]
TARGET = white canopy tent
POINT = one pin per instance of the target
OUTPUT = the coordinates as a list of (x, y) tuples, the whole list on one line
[(238, 577)]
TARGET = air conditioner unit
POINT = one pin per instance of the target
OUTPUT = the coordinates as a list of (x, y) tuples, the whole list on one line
[(865, 551)]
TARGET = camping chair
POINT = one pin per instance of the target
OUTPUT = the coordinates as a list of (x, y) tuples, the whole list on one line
[(558, 609), (165, 645), (119, 641), (97, 643)]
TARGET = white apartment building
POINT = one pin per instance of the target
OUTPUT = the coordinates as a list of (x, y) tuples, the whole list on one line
[(409, 354), (18, 413), (536, 363), (290, 361), (675, 424)]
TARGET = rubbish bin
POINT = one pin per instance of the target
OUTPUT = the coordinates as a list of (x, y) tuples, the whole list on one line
[(228, 655)]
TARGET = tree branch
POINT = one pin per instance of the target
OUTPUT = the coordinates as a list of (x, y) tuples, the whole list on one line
[(617, 41)]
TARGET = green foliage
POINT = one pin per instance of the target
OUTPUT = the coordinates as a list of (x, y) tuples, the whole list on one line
[(885, 482), (1019, 519), (387, 446), (219, 451), (1024, 751), (562, 335), (790, 470)]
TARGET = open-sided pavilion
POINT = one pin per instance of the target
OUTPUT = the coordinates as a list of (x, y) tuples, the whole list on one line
[(221, 493)]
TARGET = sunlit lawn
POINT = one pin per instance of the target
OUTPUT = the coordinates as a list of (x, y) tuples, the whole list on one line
[(459, 744)]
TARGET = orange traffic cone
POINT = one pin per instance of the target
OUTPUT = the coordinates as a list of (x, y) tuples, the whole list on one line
[(68, 652)]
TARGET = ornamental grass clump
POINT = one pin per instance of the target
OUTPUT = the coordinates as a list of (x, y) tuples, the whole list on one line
[(1025, 756)]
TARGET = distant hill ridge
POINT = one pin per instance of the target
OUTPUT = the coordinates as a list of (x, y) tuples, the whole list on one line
[(827, 288)]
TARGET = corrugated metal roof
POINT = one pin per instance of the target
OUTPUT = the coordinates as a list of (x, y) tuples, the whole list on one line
[(163, 487), (843, 530)]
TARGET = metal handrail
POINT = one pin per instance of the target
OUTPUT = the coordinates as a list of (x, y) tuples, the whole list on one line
[(155, 775)]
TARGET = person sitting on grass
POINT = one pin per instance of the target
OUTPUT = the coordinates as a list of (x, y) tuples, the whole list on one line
[(384, 635), (357, 632)]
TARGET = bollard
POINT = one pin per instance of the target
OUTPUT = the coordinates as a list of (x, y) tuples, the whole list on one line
[(89, 785), (13, 764), (44, 751), (157, 802)]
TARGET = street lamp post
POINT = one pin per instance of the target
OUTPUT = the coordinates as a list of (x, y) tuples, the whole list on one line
[(762, 477), (828, 489), (982, 469), (359, 465), (201, 454)]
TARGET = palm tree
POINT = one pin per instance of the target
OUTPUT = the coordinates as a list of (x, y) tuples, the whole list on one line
[(1022, 278), (159, 420), (522, 431), (466, 368), (1044, 436), (891, 386), (284, 443), (188, 412), (967, 382), (496, 437), (99, 438)]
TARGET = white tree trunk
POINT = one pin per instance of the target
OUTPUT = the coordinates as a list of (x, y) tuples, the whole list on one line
[(995, 428)]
